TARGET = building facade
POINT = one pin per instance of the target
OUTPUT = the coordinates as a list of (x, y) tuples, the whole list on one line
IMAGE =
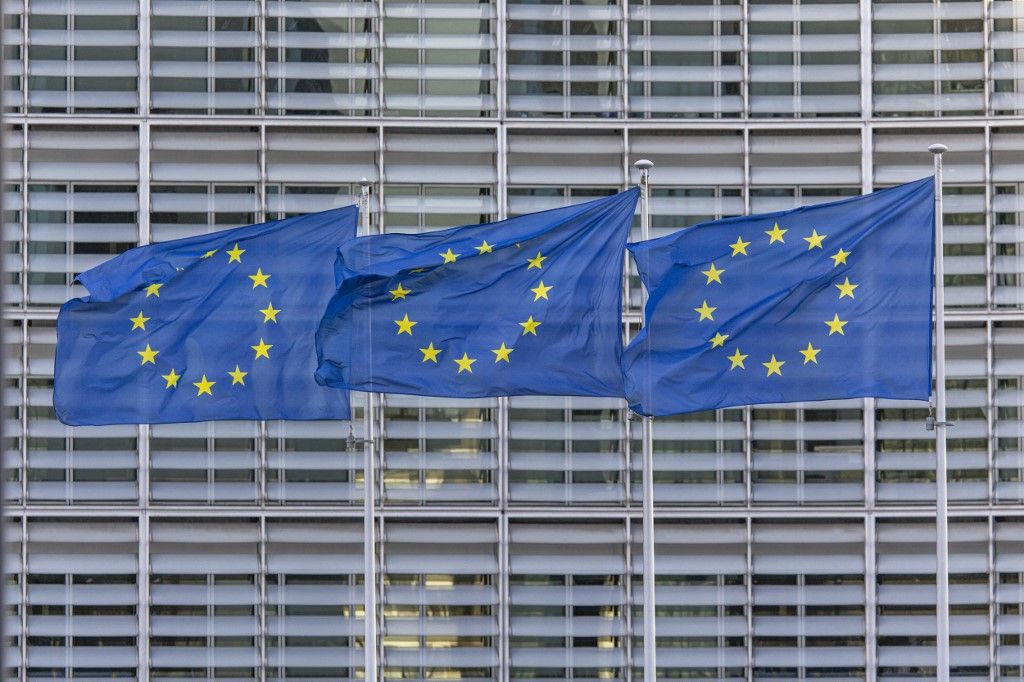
[(793, 541)]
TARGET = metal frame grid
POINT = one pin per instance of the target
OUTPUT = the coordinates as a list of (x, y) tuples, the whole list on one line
[(505, 513)]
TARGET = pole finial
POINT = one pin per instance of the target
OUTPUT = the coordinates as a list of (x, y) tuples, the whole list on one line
[(938, 148), (364, 183), (644, 164)]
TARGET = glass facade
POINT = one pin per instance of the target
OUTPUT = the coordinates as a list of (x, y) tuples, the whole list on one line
[(793, 541)]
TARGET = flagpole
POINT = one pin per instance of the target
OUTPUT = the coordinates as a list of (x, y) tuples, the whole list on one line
[(941, 512), (369, 527), (650, 642)]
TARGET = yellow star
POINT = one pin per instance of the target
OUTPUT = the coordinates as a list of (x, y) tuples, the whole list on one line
[(238, 376), (262, 350), (530, 326), (270, 313), (737, 359), (235, 254), (811, 354), (449, 256), (846, 289), (713, 275), (171, 378), (815, 240), (465, 363), (399, 292), (153, 290), (259, 279), (502, 353), (774, 366), (209, 253), (405, 325), (740, 247), (835, 325), (536, 262), (840, 257), (148, 355), (204, 386), (776, 234), (541, 291), (139, 322), (484, 248), (430, 353), (705, 311), (718, 340)]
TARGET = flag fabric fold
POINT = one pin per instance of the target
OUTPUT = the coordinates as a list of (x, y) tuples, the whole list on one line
[(212, 327), (525, 306), (821, 302)]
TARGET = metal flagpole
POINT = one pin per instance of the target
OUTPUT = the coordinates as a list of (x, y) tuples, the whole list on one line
[(650, 645), (940, 424), (369, 527)]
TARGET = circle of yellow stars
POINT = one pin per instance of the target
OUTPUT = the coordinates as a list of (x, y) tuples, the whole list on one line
[(260, 350), (503, 353), (776, 235)]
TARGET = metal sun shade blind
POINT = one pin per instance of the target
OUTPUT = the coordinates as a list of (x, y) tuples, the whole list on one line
[(808, 599), (321, 57), (928, 58), (698, 459), (1009, 425), (81, 598), (314, 599), (564, 59), (701, 596), (1008, 218), (70, 464), (83, 56), (685, 60), (440, 600), (1007, 45), (205, 57), (804, 59), (906, 597), (566, 450), (439, 58), (82, 208), (1008, 574), (440, 450), (204, 595), (568, 600)]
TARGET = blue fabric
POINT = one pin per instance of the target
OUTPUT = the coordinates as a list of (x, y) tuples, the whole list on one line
[(488, 300), (776, 300), (204, 319)]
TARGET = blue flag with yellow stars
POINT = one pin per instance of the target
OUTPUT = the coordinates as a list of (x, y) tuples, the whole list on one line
[(218, 326), (529, 305), (817, 303)]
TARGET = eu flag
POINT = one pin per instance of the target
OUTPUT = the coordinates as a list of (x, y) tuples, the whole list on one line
[(529, 305), (821, 302), (218, 326)]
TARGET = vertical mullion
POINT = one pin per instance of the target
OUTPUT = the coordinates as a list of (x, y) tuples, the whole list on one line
[(870, 600), (504, 601), (866, 85), (993, 633), (261, 58), (143, 596), (261, 607), (745, 85), (749, 610), (23, 643), (501, 59), (144, 58), (624, 62)]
